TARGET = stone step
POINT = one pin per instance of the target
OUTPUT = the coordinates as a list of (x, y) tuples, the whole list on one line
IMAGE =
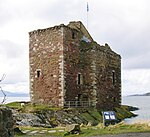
[(36, 132)]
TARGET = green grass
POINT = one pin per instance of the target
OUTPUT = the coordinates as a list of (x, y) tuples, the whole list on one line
[(30, 108), (15, 105), (116, 129), (97, 130), (22, 128)]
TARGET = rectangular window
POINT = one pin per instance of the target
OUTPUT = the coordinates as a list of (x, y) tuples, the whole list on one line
[(113, 77), (79, 79), (73, 35), (38, 73), (114, 99)]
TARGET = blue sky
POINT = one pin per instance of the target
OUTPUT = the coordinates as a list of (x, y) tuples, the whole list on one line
[(123, 24)]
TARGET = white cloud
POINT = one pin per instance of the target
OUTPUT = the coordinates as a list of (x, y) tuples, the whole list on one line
[(10, 50), (20, 87), (136, 81), (124, 24), (14, 64)]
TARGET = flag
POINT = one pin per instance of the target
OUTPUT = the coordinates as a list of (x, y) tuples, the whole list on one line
[(87, 7)]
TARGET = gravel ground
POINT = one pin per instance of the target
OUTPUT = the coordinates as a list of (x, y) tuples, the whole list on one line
[(127, 135), (120, 135)]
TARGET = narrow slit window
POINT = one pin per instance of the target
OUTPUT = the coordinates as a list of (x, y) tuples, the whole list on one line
[(38, 73), (114, 99), (79, 79), (73, 35), (113, 77)]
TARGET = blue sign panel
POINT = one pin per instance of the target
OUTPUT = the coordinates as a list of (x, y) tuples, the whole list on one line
[(109, 117)]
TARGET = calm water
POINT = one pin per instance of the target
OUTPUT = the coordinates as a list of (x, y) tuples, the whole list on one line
[(143, 103), (12, 99)]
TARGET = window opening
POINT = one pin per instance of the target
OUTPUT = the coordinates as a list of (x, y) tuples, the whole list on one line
[(113, 77), (114, 99), (79, 97), (38, 73), (73, 35), (79, 79)]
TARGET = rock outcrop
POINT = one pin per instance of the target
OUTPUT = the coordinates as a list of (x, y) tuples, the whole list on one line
[(53, 118), (6, 123), (62, 117)]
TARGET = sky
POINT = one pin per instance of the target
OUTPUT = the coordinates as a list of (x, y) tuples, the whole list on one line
[(123, 24)]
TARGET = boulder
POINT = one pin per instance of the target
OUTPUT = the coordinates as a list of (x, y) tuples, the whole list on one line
[(18, 131), (73, 128), (6, 122), (29, 119)]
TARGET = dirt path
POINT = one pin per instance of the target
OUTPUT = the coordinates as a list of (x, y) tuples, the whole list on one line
[(127, 135), (119, 135)]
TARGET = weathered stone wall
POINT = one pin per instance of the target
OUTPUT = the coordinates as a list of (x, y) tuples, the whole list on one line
[(108, 78), (77, 61), (67, 65), (71, 58), (101, 71), (6, 123), (87, 57), (46, 66)]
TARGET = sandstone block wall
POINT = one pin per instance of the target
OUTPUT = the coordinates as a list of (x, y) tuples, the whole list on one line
[(67, 65), (108, 77), (6, 123), (71, 59), (100, 68), (46, 66)]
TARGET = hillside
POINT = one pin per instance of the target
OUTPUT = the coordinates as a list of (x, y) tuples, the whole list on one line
[(145, 94), (10, 94)]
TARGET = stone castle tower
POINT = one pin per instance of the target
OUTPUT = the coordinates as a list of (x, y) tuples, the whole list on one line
[(69, 69)]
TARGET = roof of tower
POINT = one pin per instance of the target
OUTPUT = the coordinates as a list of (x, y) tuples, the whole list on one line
[(78, 25)]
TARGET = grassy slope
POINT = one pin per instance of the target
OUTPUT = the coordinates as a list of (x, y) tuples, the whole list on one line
[(91, 115), (98, 130)]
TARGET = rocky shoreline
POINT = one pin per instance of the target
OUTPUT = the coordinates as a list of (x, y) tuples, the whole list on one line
[(61, 118), (28, 115)]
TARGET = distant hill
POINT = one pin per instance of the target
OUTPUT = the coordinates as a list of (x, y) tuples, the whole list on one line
[(10, 94), (145, 94)]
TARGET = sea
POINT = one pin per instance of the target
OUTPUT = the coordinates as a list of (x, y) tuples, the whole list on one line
[(142, 102), (14, 99)]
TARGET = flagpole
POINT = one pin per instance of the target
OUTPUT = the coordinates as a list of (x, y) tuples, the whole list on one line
[(87, 15)]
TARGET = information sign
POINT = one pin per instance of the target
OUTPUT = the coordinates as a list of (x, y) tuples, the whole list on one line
[(109, 117)]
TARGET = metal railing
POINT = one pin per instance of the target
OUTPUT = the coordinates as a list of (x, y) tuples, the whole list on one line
[(77, 104)]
